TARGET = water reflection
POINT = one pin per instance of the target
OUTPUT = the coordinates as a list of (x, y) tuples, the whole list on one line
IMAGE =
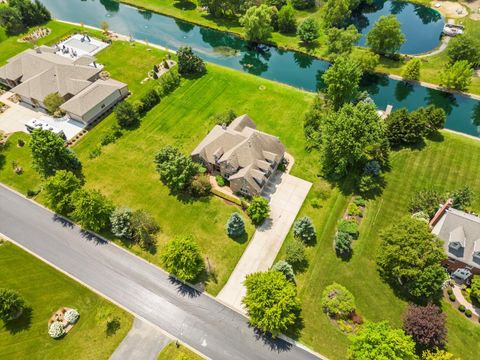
[(184, 26), (111, 6), (403, 90), (302, 60), (255, 60), (441, 99), (146, 14)]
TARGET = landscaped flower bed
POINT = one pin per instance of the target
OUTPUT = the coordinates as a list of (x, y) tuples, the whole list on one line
[(62, 322)]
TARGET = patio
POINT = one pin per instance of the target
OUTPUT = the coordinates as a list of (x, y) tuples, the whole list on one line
[(79, 45)]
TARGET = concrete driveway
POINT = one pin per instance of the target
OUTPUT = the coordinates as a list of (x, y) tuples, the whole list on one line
[(286, 194), (15, 118), (143, 341)]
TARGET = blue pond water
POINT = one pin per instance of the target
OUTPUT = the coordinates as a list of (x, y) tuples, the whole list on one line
[(288, 67)]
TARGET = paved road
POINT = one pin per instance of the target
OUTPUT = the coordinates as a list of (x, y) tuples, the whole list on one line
[(286, 194), (145, 290), (144, 341)]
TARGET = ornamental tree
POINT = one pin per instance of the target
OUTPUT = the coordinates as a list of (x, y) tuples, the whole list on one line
[(409, 258), (188, 62), (457, 76), (351, 138), (304, 230), (379, 341), (342, 81), (426, 325), (308, 31), (126, 114), (120, 221), (285, 268), (50, 154), (271, 301), (258, 210), (52, 102), (176, 169), (295, 253), (336, 13), (92, 210), (412, 69), (182, 258), (337, 301), (257, 23), (11, 304), (437, 355), (235, 226), (386, 36), (59, 189)]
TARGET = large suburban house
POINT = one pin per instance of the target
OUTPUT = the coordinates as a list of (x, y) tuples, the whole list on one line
[(243, 155), (460, 232), (36, 73)]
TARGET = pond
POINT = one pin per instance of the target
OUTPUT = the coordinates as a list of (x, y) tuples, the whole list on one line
[(288, 67), (422, 26)]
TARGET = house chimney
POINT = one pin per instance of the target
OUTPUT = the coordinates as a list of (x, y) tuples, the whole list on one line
[(438, 215)]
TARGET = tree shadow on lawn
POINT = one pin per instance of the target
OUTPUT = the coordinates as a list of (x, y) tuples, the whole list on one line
[(345, 257), (242, 239), (21, 324), (402, 293), (2, 161), (185, 5), (228, 21)]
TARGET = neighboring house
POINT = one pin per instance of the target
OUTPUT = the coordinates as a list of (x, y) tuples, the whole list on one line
[(460, 232), (34, 74), (241, 154)]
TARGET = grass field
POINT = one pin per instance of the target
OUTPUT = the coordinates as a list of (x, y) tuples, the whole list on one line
[(444, 164), (46, 290), (172, 352)]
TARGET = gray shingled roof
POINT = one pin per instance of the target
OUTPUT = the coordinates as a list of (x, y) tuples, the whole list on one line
[(460, 232), (94, 94)]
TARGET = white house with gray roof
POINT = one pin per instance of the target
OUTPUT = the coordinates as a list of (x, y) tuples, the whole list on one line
[(242, 154), (34, 74), (460, 232)]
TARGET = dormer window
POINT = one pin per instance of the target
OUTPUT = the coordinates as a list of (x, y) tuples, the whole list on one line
[(457, 238)]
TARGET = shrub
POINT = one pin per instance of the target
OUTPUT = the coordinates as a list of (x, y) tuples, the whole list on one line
[(461, 198), (468, 313), (111, 136), (121, 223), (188, 62), (226, 117), (452, 297), (11, 304), (201, 186), (56, 330), (449, 291), (182, 258), (126, 114), (343, 243), (426, 325), (422, 216), (304, 230), (295, 253), (461, 308), (220, 180), (369, 184), (258, 210), (348, 226), (303, 4), (285, 268), (359, 201), (168, 82), (149, 101), (286, 20), (95, 152), (427, 200), (337, 301), (354, 210), (71, 316), (52, 102), (475, 286), (308, 31), (235, 226)]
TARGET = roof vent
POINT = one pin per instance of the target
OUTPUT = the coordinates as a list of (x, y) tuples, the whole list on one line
[(38, 50)]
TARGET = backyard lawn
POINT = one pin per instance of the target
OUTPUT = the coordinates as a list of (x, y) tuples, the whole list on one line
[(446, 164), (46, 290)]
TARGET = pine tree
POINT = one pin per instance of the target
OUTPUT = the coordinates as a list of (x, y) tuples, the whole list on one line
[(235, 226), (304, 230), (285, 268)]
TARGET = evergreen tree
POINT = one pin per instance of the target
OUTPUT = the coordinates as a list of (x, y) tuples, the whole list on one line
[(304, 230), (11, 304), (412, 70), (285, 268), (235, 226)]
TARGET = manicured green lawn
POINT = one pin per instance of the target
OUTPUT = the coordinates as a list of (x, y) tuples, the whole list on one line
[(445, 164), (172, 352), (125, 170), (46, 290), (12, 153)]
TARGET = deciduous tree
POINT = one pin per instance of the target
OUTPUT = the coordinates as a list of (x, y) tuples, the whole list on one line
[(341, 41), (257, 23), (457, 76), (386, 36), (464, 47), (59, 189), (182, 258), (258, 210), (426, 325), (409, 258), (308, 31), (188, 62), (412, 69), (11, 304), (287, 22), (126, 114), (271, 301), (336, 13), (176, 169), (379, 341), (92, 210)]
